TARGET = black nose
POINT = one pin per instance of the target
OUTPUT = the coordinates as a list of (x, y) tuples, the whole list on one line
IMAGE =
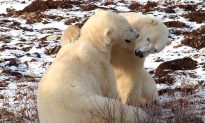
[(128, 41), (139, 54)]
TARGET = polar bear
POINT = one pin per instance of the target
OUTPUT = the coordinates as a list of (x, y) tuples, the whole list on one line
[(79, 86), (134, 83)]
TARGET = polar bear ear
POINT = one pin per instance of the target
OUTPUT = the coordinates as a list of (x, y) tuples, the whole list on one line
[(153, 20), (108, 32)]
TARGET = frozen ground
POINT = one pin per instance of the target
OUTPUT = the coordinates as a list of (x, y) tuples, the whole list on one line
[(30, 39)]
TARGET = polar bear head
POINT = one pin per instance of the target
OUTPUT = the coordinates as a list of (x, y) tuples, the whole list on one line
[(153, 36), (108, 28)]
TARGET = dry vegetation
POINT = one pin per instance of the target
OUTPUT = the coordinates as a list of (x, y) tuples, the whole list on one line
[(173, 111), (21, 108), (27, 111)]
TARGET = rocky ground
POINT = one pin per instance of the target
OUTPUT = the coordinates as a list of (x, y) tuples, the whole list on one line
[(30, 38)]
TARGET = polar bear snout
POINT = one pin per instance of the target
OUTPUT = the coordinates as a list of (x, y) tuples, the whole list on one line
[(139, 53)]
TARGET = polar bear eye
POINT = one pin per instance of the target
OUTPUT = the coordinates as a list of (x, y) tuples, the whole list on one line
[(129, 29), (148, 40)]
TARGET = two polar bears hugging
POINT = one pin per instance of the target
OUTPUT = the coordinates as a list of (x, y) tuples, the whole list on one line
[(79, 86), (135, 85)]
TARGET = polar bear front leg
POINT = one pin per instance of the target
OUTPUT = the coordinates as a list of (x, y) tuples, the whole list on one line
[(111, 83), (149, 90), (112, 110)]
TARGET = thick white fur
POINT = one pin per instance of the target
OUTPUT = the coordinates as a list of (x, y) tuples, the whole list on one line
[(134, 83), (81, 81)]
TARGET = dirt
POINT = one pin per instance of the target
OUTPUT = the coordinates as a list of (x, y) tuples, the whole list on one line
[(184, 90), (10, 72), (149, 6), (88, 7), (50, 4), (195, 38), (164, 72), (135, 6), (34, 17), (33, 13), (188, 7), (52, 51), (177, 27), (176, 24), (169, 10), (196, 16), (4, 83), (10, 61), (4, 37), (80, 24), (71, 20), (109, 2), (178, 32)]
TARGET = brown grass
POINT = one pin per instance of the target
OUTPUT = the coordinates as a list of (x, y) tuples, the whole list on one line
[(174, 111), (23, 111)]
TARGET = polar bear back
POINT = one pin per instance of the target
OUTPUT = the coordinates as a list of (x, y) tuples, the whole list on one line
[(80, 81)]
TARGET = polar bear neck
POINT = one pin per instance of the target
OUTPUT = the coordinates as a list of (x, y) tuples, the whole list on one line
[(125, 60), (94, 51), (99, 44)]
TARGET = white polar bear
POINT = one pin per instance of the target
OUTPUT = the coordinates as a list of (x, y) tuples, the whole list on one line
[(134, 83), (79, 86)]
